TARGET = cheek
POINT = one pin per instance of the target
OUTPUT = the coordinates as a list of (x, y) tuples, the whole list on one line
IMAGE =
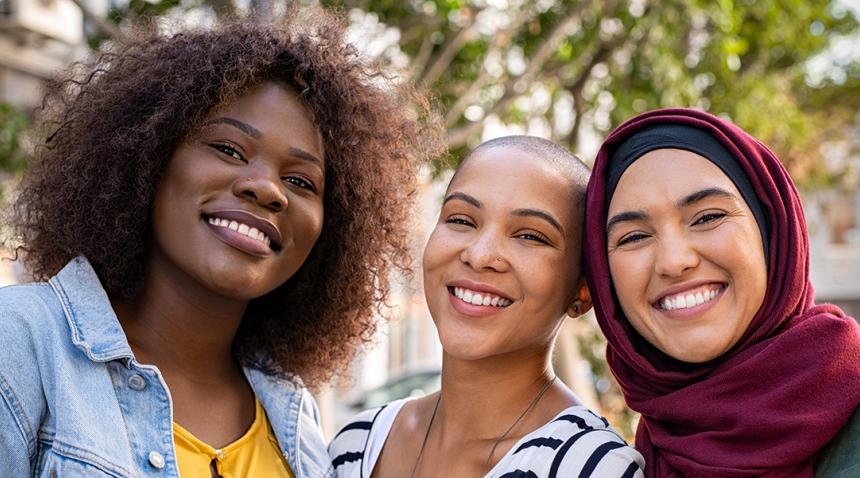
[(629, 274), (439, 246)]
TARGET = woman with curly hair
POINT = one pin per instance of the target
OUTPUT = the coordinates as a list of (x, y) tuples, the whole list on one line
[(214, 217)]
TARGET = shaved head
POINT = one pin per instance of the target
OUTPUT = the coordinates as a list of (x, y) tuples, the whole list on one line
[(541, 149)]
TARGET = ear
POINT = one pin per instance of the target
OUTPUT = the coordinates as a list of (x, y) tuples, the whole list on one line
[(582, 302)]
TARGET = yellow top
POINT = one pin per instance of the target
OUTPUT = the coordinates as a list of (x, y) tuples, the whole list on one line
[(256, 453)]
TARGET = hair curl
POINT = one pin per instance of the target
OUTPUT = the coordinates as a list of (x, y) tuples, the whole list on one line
[(115, 121)]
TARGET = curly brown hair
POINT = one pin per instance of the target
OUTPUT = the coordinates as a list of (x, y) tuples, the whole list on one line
[(115, 120)]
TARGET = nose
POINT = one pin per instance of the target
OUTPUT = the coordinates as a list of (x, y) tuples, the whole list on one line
[(676, 254), (485, 253), (262, 187)]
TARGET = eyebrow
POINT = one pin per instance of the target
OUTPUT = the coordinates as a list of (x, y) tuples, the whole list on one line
[(625, 217), (703, 194), (540, 214), (241, 125), (517, 212), (685, 201), (462, 197), (257, 134)]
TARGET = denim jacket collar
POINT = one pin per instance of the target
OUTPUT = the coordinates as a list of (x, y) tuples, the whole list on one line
[(94, 326), (95, 330)]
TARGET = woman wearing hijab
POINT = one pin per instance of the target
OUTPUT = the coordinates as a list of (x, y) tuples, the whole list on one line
[(698, 264)]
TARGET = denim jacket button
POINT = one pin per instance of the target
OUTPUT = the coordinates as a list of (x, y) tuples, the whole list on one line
[(156, 460), (136, 382)]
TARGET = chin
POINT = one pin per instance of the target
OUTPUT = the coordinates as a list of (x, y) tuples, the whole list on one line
[(696, 354), (461, 347)]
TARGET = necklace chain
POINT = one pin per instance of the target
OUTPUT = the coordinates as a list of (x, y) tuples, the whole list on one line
[(501, 437)]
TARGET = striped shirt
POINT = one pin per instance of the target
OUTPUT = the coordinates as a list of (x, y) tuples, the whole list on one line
[(576, 443)]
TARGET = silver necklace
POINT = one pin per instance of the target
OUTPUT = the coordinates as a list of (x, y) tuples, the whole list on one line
[(532, 404)]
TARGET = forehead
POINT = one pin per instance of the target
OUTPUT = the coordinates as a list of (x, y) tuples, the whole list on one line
[(666, 173), (277, 111), (512, 177)]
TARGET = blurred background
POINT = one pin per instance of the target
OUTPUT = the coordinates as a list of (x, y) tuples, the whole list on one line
[(787, 71)]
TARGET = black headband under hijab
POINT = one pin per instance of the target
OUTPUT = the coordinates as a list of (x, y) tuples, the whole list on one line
[(679, 136)]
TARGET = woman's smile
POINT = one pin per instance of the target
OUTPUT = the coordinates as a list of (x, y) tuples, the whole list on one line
[(252, 179), (689, 300), (476, 300), (685, 254), (499, 271), (245, 232)]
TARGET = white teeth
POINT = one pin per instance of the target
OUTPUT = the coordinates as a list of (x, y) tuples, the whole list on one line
[(484, 299), (243, 229), (688, 300)]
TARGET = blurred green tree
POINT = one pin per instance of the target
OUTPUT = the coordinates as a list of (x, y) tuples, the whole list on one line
[(561, 67), (13, 124), (572, 70)]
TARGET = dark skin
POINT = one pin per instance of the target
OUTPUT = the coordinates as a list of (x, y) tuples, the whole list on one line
[(506, 228), (257, 162)]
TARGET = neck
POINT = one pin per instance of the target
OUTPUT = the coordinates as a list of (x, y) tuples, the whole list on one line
[(176, 323), (480, 398)]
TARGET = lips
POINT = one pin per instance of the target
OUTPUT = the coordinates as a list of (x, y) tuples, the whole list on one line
[(248, 225), (479, 298), (689, 296), (476, 300)]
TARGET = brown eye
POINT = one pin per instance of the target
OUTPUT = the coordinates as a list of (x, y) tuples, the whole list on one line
[(300, 182), (709, 217), (459, 220), (632, 238), (533, 236), (228, 150)]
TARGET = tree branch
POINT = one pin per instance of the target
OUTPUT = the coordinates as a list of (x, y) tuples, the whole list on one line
[(423, 56), (501, 41), (516, 85), (448, 53), (106, 27)]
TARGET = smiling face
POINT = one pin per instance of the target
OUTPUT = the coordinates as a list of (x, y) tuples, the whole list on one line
[(241, 203), (685, 255), (502, 264)]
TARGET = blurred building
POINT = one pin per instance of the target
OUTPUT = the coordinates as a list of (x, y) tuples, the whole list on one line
[(37, 38), (834, 233)]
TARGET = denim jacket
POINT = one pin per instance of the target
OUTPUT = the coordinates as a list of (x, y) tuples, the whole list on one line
[(74, 402)]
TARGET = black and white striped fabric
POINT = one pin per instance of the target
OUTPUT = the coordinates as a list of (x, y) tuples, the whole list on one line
[(576, 443)]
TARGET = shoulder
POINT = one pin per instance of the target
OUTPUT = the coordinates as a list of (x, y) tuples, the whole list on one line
[(31, 324), (577, 442), (358, 443), (841, 457), (352, 437), (30, 317)]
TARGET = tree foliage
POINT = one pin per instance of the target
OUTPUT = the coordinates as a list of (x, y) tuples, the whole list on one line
[(572, 70), (13, 124)]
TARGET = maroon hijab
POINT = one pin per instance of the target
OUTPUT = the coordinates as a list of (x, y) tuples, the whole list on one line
[(770, 404)]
